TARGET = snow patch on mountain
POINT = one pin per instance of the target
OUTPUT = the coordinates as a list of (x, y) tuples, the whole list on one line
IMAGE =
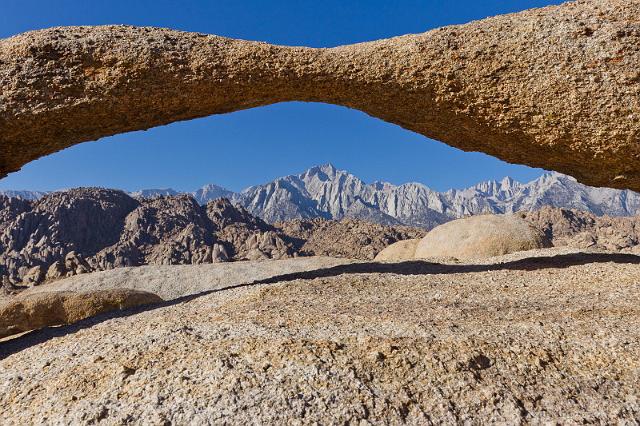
[(327, 192)]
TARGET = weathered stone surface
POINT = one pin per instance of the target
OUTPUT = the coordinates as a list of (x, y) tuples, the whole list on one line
[(555, 87), (38, 310), (173, 281), (35, 275), (478, 237), (402, 250), (551, 340)]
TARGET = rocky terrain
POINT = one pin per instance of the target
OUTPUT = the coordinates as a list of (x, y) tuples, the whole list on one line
[(348, 238), (544, 337), (579, 229), (172, 282), (88, 229), (326, 192)]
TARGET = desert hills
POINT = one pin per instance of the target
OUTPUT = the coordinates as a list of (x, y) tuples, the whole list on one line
[(90, 229)]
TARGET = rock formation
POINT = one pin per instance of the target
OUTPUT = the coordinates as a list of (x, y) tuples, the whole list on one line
[(574, 228), (551, 340), (34, 311), (478, 237), (555, 87), (88, 229), (349, 238), (402, 250)]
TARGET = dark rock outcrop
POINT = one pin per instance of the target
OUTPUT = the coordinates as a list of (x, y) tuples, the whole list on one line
[(91, 229), (245, 236), (84, 230), (574, 228), (58, 230), (555, 87), (345, 238)]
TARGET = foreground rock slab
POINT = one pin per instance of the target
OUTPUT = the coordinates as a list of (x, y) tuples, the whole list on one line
[(555, 87), (174, 281), (35, 311), (555, 339)]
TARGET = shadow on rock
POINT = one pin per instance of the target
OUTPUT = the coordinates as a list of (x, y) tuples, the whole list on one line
[(36, 337), (418, 267)]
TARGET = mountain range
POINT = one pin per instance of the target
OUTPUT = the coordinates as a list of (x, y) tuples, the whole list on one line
[(326, 192)]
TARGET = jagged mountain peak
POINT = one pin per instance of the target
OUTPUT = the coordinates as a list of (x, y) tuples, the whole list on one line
[(23, 194), (153, 193), (328, 169), (328, 192), (382, 186), (324, 172), (212, 186)]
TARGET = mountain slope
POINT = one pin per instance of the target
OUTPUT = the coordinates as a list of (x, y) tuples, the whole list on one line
[(25, 195), (329, 193), (324, 191)]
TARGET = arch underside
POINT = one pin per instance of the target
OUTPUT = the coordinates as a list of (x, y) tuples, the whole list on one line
[(532, 88)]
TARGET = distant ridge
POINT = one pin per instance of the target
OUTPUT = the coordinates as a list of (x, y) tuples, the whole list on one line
[(327, 192), (25, 195)]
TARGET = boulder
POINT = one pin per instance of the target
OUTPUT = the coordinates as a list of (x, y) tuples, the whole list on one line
[(55, 271), (34, 276), (482, 236), (219, 253), (402, 250), (39, 310)]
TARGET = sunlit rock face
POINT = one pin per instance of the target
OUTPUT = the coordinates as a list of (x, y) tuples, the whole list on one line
[(555, 87)]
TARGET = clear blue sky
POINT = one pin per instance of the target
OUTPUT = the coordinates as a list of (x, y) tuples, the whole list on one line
[(250, 147)]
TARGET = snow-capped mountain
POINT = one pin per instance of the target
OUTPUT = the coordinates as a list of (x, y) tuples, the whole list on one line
[(153, 193), (211, 192), (327, 192), (25, 195), (202, 195)]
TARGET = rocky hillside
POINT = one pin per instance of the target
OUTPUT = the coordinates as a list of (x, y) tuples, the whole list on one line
[(579, 229), (329, 193), (350, 238), (88, 229)]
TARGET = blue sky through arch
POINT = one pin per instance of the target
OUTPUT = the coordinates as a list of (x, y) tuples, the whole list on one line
[(250, 147)]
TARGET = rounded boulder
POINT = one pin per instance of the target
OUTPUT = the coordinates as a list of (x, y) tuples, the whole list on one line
[(482, 236), (398, 251)]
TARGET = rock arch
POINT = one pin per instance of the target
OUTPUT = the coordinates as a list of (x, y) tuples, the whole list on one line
[(556, 87)]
